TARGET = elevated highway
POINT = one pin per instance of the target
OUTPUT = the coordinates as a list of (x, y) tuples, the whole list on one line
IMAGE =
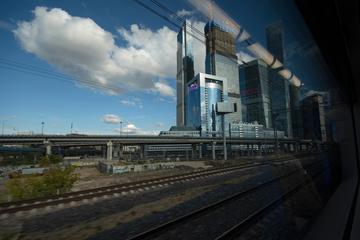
[(117, 142)]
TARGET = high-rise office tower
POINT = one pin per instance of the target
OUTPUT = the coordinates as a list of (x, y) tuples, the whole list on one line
[(203, 92), (296, 113), (314, 120), (279, 87), (254, 84), (221, 60), (185, 69)]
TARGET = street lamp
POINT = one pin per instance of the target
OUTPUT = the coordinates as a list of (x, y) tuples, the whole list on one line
[(42, 128), (274, 117), (3, 127), (223, 108), (121, 127)]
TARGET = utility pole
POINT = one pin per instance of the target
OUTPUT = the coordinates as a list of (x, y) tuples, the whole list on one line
[(42, 128), (224, 135)]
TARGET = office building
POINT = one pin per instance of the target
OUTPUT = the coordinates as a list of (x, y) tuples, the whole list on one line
[(314, 121), (254, 85), (185, 69), (296, 113), (254, 130), (279, 87), (221, 61), (203, 92)]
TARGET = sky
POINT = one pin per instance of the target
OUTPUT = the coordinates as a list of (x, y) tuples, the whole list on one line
[(96, 67)]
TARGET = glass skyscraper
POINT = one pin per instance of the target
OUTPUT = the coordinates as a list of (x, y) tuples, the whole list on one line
[(279, 87), (185, 69), (221, 60), (203, 92), (296, 113), (314, 120), (255, 95)]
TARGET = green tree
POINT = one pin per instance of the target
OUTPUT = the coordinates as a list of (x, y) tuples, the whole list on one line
[(54, 159), (44, 161), (57, 179), (47, 160), (53, 181)]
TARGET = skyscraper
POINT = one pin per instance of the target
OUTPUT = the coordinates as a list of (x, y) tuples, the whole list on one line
[(221, 60), (185, 70), (279, 87), (296, 113), (203, 92), (314, 121), (254, 84)]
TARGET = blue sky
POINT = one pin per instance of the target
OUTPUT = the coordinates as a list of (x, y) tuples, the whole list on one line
[(34, 33)]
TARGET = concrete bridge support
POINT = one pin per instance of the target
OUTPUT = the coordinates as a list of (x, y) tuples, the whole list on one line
[(121, 151), (297, 147), (142, 152), (47, 147), (260, 149), (109, 152), (213, 151), (193, 151), (200, 150)]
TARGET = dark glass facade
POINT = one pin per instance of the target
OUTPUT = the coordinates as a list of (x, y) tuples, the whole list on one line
[(254, 82), (314, 118), (279, 86), (185, 70)]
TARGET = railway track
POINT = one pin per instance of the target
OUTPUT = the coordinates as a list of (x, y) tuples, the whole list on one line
[(163, 229), (122, 189)]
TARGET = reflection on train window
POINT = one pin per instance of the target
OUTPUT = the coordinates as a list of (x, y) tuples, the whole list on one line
[(161, 119)]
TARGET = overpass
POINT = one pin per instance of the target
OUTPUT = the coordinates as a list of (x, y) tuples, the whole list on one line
[(116, 142)]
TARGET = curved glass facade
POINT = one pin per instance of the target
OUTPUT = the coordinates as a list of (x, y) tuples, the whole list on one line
[(203, 92), (213, 94), (193, 105)]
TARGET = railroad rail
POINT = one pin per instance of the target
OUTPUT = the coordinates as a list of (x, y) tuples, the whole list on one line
[(162, 229), (116, 190)]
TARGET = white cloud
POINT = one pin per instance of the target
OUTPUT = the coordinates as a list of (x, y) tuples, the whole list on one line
[(164, 89), (111, 118), (79, 47), (128, 103), (136, 102), (184, 13), (131, 129), (159, 124)]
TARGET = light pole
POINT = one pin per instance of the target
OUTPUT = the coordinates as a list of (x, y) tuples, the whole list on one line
[(71, 128), (3, 127), (121, 127), (274, 116), (42, 128), (223, 108), (127, 130)]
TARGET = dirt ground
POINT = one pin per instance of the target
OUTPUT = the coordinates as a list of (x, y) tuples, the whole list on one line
[(90, 177)]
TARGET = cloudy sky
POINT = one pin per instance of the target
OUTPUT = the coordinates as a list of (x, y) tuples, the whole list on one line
[(99, 67)]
